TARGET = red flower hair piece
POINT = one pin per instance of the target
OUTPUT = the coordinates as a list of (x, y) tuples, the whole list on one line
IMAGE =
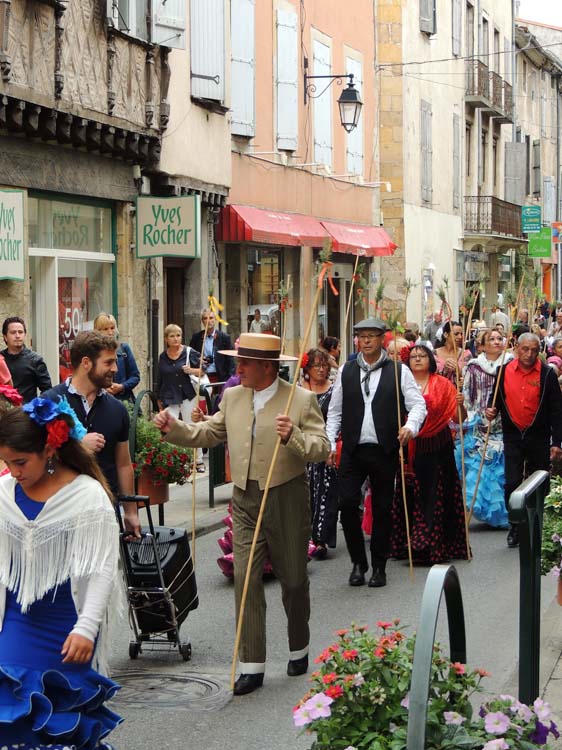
[(304, 362), (11, 394), (57, 433), (405, 353)]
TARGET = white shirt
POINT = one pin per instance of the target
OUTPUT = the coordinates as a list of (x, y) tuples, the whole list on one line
[(262, 397), (413, 401)]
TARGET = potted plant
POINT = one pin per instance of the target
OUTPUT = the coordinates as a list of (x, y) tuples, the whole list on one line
[(551, 553), (359, 700), (156, 463)]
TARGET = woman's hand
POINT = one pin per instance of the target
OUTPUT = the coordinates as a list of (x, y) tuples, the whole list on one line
[(77, 649), (450, 363), (460, 398)]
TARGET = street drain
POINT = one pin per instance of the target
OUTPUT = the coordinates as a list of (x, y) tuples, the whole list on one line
[(196, 692)]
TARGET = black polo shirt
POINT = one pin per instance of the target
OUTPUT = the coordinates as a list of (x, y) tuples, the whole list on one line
[(108, 416)]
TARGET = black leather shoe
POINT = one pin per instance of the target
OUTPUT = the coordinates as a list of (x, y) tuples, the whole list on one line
[(357, 577), (377, 580), (295, 667), (247, 683), (513, 537)]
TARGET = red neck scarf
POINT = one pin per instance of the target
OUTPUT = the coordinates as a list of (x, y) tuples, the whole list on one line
[(441, 402)]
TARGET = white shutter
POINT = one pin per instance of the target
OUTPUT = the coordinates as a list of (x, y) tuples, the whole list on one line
[(457, 27), (207, 49), (427, 17), (515, 172), (426, 151), (355, 147), (111, 13), (543, 109), (507, 59), (168, 23), (243, 69), (549, 201), (287, 81), (322, 118), (456, 161)]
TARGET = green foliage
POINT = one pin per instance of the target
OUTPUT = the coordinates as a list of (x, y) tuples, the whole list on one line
[(359, 700), (551, 553), (169, 464)]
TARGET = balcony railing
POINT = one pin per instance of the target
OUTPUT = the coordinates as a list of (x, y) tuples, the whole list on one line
[(508, 100), (496, 87), (477, 80), (486, 214)]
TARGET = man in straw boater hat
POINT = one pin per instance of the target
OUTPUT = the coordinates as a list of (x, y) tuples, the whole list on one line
[(364, 407), (251, 417)]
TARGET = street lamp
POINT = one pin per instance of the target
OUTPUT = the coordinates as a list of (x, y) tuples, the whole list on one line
[(349, 102)]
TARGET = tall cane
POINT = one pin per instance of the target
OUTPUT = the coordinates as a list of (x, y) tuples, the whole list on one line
[(284, 334), (401, 452), (487, 438), (471, 314), (194, 464), (267, 486), (350, 298)]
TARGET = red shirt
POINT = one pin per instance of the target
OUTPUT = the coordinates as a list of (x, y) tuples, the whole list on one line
[(522, 392)]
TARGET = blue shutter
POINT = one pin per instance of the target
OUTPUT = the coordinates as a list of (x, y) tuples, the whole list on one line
[(322, 114), (355, 146), (207, 38), (287, 81), (243, 67)]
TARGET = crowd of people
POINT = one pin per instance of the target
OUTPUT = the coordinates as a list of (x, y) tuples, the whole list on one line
[(421, 430)]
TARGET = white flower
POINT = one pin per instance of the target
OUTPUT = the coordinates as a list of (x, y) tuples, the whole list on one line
[(542, 709)]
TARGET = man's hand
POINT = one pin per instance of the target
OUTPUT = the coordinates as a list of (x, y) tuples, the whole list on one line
[(115, 388), (331, 460), (164, 421), (491, 413), (284, 427), (404, 436), (95, 441), (197, 414), (460, 398), (555, 453), (77, 649), (131, 521)]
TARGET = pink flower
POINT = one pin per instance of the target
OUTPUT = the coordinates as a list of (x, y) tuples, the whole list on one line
[(302, 717), (329, 678), (334, 691), (319, 706), (350, 654), (405, 702), (358, 679), (458, 667), (383, 624), (499, 744), (496, 722), (542, 709), (454, 718), (342, 632), (481, 672)]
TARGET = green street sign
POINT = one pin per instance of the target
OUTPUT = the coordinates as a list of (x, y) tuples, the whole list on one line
[(540, 243), (531, 218)]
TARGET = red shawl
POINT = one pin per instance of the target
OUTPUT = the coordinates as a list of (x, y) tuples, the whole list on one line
[(441, 402)]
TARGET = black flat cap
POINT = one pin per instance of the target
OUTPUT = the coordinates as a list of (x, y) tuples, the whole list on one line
[(370, 323)]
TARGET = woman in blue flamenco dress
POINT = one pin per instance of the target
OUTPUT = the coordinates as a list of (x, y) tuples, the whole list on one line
[(58, 571), (478, 385)]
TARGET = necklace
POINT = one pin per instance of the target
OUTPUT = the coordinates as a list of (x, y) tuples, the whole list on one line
[(423, 386)]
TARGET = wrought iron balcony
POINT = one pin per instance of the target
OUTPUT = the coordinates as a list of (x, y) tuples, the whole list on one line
[(488, 215), (507, 105), (496, 91), (477, 82)]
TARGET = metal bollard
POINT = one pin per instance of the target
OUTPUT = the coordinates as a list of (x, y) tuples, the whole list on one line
[(441, 578), (525, 508)]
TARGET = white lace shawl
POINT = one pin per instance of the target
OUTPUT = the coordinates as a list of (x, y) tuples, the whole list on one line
[(490, 366), (74, 536)]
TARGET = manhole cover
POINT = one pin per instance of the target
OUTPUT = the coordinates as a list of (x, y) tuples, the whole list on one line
[(197, 692)]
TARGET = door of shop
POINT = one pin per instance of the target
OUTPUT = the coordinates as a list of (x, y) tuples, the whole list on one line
[(331, 318)]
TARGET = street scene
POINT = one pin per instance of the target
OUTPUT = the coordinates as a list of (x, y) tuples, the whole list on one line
[(281, 374)]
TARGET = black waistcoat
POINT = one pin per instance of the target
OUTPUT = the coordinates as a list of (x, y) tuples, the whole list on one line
[(383, 406)]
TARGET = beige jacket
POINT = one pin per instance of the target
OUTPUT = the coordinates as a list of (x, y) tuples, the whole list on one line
[(233, 423)]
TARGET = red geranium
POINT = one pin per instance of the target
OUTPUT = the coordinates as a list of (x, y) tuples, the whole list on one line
[(57, 433)]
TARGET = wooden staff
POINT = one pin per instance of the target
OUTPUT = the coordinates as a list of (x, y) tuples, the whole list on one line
[(487, 438), (350, 298), (194, 463), (401, 452), (267, 486), (515, 310), (469, 321), (461, 434), (283, 337)]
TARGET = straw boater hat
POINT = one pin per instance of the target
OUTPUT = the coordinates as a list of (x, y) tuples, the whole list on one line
[(259, 346)]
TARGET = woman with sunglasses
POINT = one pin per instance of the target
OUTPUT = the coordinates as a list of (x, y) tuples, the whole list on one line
[(434, 493), (323, 479), (478, 385)]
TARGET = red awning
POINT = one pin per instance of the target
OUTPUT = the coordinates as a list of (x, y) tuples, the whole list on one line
[(249, 224), (355, 238)]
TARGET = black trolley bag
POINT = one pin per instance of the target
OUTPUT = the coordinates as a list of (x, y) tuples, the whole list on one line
[(161, 585)]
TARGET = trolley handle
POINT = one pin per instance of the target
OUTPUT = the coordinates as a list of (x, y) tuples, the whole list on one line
[(145, 499)]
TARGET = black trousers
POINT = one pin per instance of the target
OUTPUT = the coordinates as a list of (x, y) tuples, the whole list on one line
[(367, 460), (523, 456)]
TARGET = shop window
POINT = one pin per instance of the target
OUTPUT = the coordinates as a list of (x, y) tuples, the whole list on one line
[(264, 278), (69, 226)]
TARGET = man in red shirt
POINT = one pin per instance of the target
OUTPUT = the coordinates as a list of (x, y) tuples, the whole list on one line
[(530, 403)]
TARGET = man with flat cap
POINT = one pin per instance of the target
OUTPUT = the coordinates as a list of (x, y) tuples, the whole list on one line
[(364, 408), (250, 417)]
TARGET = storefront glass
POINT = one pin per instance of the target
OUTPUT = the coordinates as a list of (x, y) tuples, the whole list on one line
[(265, 272), (69, 226)]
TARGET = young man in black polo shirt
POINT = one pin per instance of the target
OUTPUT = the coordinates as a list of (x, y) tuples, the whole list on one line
[(94, 361)]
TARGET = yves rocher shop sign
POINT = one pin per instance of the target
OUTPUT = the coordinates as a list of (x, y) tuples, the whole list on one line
[(11, 235), (168, 227)]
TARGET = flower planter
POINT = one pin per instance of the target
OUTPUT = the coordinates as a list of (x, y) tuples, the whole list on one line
[(158, 493)]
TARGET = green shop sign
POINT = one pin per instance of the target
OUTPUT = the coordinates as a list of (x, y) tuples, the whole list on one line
[(531, 219), (540, 243), (11, 235), (168, 227)]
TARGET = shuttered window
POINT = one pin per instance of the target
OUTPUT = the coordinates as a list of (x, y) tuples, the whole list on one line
[(287, 81), (243, 67), (549, 200), (168, 23), (426, 151), (355, 146), (456, 161), (427, 16), (507, 59), (207, 40), (515, 172), (456, 26), (536, 167), (322, 116)]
